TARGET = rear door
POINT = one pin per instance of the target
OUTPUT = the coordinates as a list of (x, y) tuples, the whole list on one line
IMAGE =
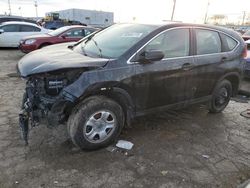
[(208, 58), (10, 36)]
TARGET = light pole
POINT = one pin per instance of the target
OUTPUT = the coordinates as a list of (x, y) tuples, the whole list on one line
[(9, 7), (172, 16), (205, 19), (244, 17), (36, 8), (20, 10)]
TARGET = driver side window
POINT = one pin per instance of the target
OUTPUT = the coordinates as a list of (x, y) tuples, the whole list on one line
[(173, 43)]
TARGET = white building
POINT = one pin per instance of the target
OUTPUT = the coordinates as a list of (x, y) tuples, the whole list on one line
[(89, 17)]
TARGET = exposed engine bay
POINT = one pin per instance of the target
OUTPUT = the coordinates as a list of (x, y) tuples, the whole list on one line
[(43, 101)]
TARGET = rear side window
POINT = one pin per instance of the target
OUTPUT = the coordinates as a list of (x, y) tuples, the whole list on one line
[(29, 28), (173, 43), (76, 33), (207, 42), (11, 28), (228, 42), (88, 31)]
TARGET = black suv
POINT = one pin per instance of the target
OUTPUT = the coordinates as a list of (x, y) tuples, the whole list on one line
[(101, 83)]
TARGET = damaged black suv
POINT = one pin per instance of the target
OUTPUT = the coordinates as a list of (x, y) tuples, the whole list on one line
[(101, 83)]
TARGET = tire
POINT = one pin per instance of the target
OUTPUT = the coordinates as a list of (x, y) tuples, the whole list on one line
[(95, 123), (220, 97)]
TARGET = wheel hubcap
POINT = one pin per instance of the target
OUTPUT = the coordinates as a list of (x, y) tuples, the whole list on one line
[(99, 127), (222, 97)]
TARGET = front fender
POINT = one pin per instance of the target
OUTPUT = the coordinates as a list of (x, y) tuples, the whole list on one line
[(97, 79)]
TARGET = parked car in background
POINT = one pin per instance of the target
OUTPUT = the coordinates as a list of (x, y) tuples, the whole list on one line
[(101, 83), (63, 34), (56, 24), (12, 32), (246, 35), (15, 18), (247, 68)]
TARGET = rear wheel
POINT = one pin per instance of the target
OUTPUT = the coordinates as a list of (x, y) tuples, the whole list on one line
[(221, 96), (95, 123)]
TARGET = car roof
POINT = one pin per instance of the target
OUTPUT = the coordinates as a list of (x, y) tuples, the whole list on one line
[(77, 26), (19, 23), (205, 26)]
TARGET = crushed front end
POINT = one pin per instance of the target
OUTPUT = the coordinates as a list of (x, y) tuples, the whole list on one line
[(44, 100)]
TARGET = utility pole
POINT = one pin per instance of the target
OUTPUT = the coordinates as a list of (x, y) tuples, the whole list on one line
[(9, 7), (205, 19), (20, 10), (244, 16), (172, 17), (36, 8)]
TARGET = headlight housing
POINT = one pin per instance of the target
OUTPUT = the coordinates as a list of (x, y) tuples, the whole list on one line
[(30, 41)]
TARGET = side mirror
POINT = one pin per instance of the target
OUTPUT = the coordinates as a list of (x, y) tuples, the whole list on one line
[(150, 56), (64, 36), (1, 31)]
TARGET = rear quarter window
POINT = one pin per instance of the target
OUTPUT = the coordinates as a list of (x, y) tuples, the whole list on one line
[(29, 28), (228, 43)]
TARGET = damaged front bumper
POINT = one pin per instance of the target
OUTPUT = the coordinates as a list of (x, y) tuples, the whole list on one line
[(39, 107)]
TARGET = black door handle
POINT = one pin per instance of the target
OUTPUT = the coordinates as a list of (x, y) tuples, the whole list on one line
[(187, 66), (223, 59)]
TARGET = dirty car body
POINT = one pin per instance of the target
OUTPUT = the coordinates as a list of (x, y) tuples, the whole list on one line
[(247, 68), (129, 69)]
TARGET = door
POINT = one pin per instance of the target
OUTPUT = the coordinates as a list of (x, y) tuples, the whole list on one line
[(208, 58), (10, 35), (73, 35), (167, 81), (28, 30)]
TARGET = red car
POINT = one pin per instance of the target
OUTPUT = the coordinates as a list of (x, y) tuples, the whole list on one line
[(63, 34)]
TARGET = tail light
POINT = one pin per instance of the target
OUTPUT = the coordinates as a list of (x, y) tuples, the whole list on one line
[(244, 53)]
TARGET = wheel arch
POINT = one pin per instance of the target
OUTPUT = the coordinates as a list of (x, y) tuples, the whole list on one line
[(234, 79), (117, 93)]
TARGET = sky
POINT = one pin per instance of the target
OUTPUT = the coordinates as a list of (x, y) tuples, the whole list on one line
[(142, 10)]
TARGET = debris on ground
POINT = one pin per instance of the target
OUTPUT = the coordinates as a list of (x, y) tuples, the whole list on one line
[(164, 172), (246, 184), (111, 148), (205, 156), (241, 98), (123, 144), (246, 113)]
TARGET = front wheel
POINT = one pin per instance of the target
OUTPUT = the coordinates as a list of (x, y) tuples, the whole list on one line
[(221, 96), (95, 123)]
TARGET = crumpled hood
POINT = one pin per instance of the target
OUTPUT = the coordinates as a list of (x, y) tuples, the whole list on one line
[(56, 57)]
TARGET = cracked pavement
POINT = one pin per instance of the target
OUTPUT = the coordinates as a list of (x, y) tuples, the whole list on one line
[(185, 148)]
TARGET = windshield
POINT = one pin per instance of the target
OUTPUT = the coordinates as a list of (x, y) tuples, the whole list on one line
[(115, 40), (58, 31)]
